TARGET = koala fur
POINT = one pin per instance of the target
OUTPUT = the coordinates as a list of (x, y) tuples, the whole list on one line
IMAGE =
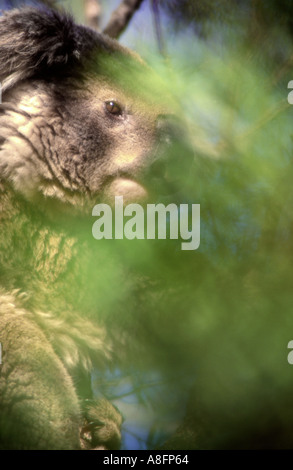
[(62, 149)]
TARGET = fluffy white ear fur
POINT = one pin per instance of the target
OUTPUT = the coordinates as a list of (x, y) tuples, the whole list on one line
[(32, 41), (36, 42)]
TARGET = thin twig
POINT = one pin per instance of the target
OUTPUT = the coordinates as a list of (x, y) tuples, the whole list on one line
[(158, 28), (265, 119), (121, 17)]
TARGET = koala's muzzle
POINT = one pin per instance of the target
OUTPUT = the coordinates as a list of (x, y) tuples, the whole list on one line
[(168, 170)]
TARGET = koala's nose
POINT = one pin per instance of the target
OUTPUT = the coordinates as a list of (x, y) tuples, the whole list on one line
[(172, 158), (168, 128)]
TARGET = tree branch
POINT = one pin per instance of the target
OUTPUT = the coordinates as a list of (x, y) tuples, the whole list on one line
[(49, 3), (92, 9), (121, 17)]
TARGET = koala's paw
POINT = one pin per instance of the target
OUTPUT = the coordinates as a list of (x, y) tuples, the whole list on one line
[(101, 429)]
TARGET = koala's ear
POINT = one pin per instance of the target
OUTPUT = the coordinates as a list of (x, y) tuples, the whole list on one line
[(35, 42)]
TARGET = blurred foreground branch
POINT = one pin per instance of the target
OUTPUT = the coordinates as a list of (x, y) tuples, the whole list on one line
[(92, 10), (121, 17)]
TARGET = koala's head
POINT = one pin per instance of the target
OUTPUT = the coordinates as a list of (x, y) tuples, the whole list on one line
[(75, 124)]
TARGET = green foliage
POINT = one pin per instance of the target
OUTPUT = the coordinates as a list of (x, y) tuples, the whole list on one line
[(264, 15), (223, 313), (220, 316)]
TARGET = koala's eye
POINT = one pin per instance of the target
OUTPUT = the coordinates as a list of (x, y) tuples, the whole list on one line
[(114, 108)]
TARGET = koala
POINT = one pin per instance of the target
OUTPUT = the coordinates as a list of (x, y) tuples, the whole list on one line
[(76, 127)]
